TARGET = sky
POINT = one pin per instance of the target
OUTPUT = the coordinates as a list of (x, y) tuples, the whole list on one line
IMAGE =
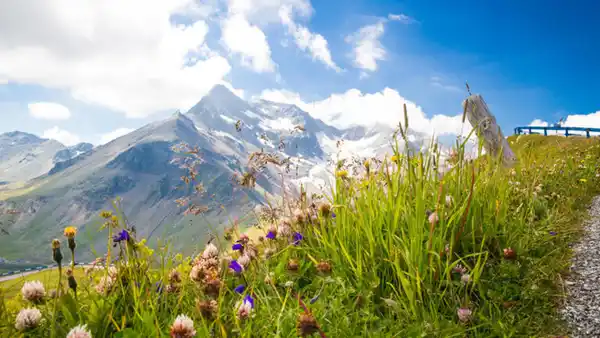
[(91, 70)]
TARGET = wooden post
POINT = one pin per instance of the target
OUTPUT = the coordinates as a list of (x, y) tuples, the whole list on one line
[(587, 133), (484, 121), (545, 131)]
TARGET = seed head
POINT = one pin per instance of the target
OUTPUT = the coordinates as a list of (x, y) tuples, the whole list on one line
[(207, 308), (307, 325), (197, 274), (183, 327), (244, 260), (324, 267), (325, 209), (174, 276), (210, 251), (55, 244), (293, 265)]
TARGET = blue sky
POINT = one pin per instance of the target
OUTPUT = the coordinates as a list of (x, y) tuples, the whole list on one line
[(120, 64)]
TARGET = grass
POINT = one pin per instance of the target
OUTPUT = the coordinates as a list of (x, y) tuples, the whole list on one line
[(12, 288), (395, 251)]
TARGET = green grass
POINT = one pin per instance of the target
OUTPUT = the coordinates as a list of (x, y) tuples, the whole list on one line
[(393, 270), (12, 288)]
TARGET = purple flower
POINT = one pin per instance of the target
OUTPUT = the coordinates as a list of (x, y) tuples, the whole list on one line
[(237, 246), (121, 236), (248, 299), (159, 286), (240, 288), (552, 233), (314, 299), (271, 235), (297, 238), (332, 214), (235, 266)]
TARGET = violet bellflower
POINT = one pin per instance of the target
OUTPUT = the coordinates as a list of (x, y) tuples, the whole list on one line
[(240, 288), (297, 238), (235, 266), (123, 235), (271, 235), (237, 247)]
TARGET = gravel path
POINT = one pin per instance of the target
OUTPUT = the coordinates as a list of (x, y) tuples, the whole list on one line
[(582, 308)]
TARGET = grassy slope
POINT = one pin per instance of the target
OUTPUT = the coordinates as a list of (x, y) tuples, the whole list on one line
[(391, 273)]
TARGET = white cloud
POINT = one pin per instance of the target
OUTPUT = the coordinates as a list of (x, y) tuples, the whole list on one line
[(583, 120), (123, 54), (436, 81), (62, 136), (367, 49), (385, 107), (249, 41), (115, 134), (538, 123), (49, 111), (403, 18), (306, 40)]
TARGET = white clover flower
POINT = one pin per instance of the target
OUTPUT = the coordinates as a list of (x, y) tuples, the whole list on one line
[(28, 319), (33, 291), (104, 285), (79, 331), (449, 200), (466, 278), (210, 251), (464, 314), (245, 307), (183, 327), (244, 260), (197, 273)]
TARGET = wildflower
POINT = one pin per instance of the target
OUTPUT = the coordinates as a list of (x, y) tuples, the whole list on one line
[(288, 284), (251, 251), (244, 260), (307, 325), (271, 235), (237, 247), (244, 238), (240, 288), (324, 267), (433, 218), (28, 319), (105, 285), (33, 291), (466, 278), (174, 276), (112, 272), (79, 331), (207, 308), (212, 286), (235, 266), (509, 253), (70, 232), (299, 216), (197, 274), (293, 265), (297, 238), (325, 209), (71, 280), (314, 299), (342, 174), (459, 269), (106, 214), (183, 327), (123, 235), (246, 307), (56, 253), (210, 251), (285, 228), (269, 252), (172, 288), (464, 314)]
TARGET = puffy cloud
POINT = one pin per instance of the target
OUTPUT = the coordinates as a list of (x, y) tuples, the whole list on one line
[(367, 49), (127, 55), (115, 134), (48, 111), (538, 123), (65, 137), (307, 40), (249, 41), (385, 107)]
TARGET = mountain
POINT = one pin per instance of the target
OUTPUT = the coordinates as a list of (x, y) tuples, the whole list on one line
[(75, 183), (25, 156)]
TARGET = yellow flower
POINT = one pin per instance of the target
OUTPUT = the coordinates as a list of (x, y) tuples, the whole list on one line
[(106, 214), (583, 180), (55, 244), (70, 232), (394, 158), (341, 173)]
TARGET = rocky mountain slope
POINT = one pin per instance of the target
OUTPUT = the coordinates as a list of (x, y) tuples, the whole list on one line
[(71, 185)]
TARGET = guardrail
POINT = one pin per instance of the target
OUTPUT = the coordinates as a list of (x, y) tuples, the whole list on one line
[(37, 268), (521, 130)]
